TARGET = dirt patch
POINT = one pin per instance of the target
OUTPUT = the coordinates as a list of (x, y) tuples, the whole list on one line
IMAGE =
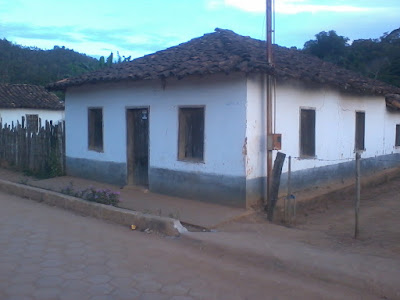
[(379, 221), (329, 224)]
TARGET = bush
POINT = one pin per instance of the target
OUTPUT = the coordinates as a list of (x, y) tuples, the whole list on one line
[(103, 196)]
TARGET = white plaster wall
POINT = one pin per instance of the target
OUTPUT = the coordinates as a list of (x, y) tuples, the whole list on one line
[(391, 120), (224, 98), (13, 115), (335, 125), (255, 151)]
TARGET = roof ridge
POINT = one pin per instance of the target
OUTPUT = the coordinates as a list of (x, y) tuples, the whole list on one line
[(224, 51)]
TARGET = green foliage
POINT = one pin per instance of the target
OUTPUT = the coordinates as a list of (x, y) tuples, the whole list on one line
[(328, 46), (34, 66), (53, 166), (109, 60), (375, 58)]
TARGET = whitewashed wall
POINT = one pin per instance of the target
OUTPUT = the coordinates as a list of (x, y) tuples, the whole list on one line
[(391, 120), (255, 128), (335, 125), (13, 115), (224, 98)]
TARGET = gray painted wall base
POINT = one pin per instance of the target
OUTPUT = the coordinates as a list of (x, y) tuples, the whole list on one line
[(222, 189), (339, 173), (109, 172), (319, 177), (227, 190), (255, 192)]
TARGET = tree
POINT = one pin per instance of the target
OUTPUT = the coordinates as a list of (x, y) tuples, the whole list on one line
[(374, 58), (328, 46), (109, 60), (35, 66)]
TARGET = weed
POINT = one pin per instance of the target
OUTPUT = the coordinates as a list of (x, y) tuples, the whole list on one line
[(103, 196)]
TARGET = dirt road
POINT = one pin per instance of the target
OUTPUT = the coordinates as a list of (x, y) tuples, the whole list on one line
[(321, 245)]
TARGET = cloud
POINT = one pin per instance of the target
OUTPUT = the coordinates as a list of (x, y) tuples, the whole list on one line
[(286, 6), (40, 33), (94, 42)]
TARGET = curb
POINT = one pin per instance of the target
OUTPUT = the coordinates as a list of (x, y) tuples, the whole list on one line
[(164, 225)]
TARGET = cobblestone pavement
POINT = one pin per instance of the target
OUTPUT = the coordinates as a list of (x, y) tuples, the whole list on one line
[(49, 253)]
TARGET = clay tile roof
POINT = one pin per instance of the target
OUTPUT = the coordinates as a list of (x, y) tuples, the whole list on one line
[(224, 51), (393, 102), (28, 96)]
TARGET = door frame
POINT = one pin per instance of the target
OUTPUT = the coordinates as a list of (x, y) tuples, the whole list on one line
[(128, 151)]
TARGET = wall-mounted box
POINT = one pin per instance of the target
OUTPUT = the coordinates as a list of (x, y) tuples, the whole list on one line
[(274, 141)]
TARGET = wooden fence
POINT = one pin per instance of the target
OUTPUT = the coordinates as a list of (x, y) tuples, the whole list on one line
[(40, 153)]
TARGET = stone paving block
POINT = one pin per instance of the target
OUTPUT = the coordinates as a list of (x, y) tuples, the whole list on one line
[(47, 293), (149, 286), (125, 293), (181, 298), (51, 271), (49, 281), (175, 289), (101, 289), (15, 289), (99, 279), (153, 296), (74, 275)]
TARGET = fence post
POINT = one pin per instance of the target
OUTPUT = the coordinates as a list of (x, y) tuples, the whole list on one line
[(358, 194), (276, 179), (289, 191)]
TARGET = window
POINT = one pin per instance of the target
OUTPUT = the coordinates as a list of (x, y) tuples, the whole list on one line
[(191, 133), (397, 144), (32, 123), (95, 122), (360, 131), (307, 132)]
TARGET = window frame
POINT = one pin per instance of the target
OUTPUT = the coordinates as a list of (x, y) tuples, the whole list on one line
[(181, 135), (91, 130), (397, 136), (302, 151), (28, 121), (357, 147)]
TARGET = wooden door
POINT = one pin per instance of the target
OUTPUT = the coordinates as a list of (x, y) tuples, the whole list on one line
[(137, 120)]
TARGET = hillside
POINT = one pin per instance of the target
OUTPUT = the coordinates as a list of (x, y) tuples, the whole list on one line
[(35, 66)]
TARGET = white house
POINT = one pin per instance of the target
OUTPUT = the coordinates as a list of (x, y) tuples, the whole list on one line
[(29, 105), (190, 120)]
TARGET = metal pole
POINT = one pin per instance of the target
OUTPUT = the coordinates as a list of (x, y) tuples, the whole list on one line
[(358, 193), (269, 31), (269, 101)]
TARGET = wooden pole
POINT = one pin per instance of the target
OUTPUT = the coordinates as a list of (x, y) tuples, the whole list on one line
[(288, 206), (276, 179), (358, 193)]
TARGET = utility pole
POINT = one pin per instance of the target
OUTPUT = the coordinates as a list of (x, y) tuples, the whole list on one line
[(269, 85)]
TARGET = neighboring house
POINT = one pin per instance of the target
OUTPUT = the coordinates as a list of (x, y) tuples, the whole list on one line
[(190, 120), (29, 105)]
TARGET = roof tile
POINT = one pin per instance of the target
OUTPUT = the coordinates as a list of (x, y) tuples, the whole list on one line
[(224, 51), (28, 96)]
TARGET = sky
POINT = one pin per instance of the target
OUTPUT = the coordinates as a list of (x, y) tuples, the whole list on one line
[(139, 27)]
